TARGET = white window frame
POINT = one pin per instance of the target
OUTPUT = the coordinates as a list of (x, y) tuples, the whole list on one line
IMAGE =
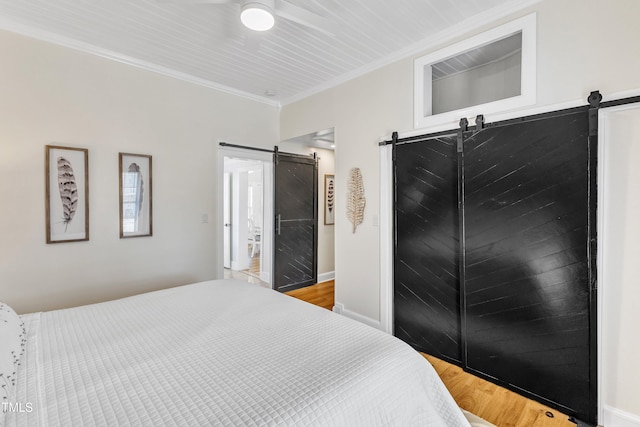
[(423, 77)]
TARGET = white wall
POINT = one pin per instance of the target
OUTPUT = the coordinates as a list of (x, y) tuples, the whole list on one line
[(619, 282), (50, 94)]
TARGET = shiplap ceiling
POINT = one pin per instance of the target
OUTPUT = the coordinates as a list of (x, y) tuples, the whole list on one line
[(207, 44)]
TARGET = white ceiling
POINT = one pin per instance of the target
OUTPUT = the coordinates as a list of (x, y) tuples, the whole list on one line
[(206, 44)]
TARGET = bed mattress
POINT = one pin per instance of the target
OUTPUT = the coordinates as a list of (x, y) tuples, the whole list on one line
[(222, 353)]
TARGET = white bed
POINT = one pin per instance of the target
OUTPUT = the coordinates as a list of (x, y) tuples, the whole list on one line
[(219, 353)]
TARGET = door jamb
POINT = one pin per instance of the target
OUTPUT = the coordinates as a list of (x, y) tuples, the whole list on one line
[(603, 206)]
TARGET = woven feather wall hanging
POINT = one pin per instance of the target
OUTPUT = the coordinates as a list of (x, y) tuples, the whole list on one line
[(355, 198)]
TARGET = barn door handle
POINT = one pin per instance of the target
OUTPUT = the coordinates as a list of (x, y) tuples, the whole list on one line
[(278, 219)]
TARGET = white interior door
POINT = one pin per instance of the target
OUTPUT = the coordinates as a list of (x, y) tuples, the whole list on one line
[(226, 214)]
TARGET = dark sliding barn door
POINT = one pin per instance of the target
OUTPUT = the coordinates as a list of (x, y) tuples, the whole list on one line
[(494, 254), (296, 222), (526, 288), (426, 292)]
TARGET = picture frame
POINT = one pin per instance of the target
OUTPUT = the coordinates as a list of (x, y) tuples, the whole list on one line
[(329, 199), (66, 194), (136, 195)]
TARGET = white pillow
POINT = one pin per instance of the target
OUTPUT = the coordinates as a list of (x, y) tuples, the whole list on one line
[(13, 341)]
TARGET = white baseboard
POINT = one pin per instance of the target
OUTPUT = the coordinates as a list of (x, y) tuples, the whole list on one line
[(616, 418), (265, 276), (325, 277), (339, 308)]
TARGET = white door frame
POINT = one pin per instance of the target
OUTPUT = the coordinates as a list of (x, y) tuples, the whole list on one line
[(606, 413), (267, 227), (226, 219)]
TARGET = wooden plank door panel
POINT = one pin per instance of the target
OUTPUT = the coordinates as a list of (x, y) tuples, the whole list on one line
[(426, 262), (527, 289), (296, 222), (295, 249)]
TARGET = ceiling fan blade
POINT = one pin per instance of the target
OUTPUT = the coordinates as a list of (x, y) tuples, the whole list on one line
[(304, 17)]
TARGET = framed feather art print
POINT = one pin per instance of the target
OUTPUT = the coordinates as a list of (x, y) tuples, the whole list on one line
[(136, 219), (67, 194), (329, 200)]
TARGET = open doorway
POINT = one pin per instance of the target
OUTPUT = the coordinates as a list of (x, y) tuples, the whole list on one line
[(247, 207), (230, 159)]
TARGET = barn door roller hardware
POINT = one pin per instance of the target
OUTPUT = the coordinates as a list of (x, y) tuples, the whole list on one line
[(464, 126), (594, 105)]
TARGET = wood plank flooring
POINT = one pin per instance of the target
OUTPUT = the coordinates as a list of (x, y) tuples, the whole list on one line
[(321, 294), (254, 266), (495, 404)]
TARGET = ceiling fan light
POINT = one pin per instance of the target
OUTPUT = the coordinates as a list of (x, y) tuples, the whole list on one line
[(257, 16)]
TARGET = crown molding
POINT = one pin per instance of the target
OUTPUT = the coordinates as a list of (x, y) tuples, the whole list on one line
[(469, 25), (46, 36)]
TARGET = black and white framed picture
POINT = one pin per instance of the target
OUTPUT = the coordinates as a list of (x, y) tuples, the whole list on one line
[(136, 219), (329, 200), (67, 194)]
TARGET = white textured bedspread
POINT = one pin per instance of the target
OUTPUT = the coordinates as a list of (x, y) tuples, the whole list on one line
[(221, 353)]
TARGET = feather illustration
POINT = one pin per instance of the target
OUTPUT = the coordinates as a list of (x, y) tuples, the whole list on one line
[(330, 196), (355, 198), (134, 168), (68, 190)]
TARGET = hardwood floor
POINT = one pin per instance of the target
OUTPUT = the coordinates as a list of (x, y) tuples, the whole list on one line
[(254, 266), (495, 404), (320, 294)]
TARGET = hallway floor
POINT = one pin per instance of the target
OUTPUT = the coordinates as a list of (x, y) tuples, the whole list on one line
[(232, 274)]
